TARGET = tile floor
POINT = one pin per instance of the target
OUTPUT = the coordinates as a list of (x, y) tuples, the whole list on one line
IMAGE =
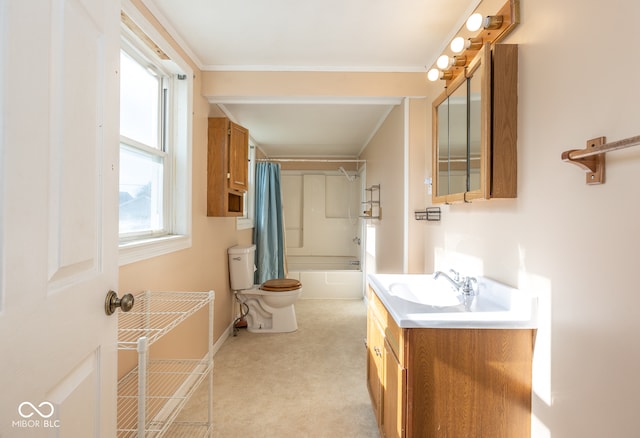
[(309, 383)]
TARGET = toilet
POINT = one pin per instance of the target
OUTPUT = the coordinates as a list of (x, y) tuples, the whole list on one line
[(270, 305)]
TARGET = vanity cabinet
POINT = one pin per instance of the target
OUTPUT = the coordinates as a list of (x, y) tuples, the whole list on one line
[(375, 365), (445, 382), (386, 374), (475, 130), (227, 167)]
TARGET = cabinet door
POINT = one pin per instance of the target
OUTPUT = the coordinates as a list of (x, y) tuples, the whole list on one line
[(462, 135), (394, 400), (238, 157), (375, 348)]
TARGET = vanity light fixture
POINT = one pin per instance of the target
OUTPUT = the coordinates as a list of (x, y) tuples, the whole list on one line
[(485, 28), (473, 43), (477, 21), (446, 75), (433, 74), (443, 62), (459, 44), (459, 61), (474, 22), (492, 22)]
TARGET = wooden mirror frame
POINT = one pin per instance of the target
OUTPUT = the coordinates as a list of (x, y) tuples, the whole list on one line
[(481, 62)]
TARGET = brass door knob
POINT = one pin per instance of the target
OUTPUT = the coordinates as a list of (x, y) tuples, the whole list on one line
[(112, 302)]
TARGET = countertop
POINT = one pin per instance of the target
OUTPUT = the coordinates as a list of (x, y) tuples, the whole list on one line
[(495, 305)]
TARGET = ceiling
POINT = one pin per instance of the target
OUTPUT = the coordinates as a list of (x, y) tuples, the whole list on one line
[(312, 35)]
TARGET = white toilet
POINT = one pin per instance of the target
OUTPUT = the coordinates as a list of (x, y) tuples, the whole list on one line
[(270, 305)]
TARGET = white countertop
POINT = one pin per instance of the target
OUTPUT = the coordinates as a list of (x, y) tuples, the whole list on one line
[(419, 301)]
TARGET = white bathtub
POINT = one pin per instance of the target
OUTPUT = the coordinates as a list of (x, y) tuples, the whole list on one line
[(324, 277)]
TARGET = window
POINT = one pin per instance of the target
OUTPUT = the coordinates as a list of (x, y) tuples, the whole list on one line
[(247, 221), (144, 185), (155, 136)]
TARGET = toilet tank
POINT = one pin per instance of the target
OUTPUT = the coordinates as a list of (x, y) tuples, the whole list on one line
[(241, 266)]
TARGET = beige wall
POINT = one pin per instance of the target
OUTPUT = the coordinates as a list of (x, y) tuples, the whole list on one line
[(202, 267), (575, 245), (385, 166), (418, 198), (396, 160)]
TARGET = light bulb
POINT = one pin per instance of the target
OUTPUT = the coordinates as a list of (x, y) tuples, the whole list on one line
[(474, 22), (443, 62), (433, 74), (457, 45)]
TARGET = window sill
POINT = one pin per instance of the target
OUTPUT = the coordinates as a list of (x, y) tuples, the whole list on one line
[(131, 252)]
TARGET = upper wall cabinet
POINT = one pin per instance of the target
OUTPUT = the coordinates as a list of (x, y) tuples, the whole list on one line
[(227, 167), (474, 130)]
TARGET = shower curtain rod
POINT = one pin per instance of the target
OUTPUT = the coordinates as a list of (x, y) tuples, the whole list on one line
[(311, 160)]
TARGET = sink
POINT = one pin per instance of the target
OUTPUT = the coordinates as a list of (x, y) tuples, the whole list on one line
[(429, 292), (417, 300)]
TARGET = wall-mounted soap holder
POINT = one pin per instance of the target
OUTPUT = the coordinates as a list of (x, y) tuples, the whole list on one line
[(429, 214)]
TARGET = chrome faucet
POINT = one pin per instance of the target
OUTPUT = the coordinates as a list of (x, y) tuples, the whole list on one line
[(461, 284), (455, 283)]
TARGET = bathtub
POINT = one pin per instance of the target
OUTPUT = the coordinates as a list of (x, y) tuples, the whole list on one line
[(327, 277)]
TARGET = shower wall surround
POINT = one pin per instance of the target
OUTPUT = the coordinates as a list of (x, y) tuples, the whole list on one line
[(321, 214)]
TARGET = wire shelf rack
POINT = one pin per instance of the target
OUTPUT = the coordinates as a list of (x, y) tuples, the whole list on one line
[(154, 314), (151, 396)]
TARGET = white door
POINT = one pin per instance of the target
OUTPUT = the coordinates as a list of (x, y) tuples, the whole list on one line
[(58, 227)]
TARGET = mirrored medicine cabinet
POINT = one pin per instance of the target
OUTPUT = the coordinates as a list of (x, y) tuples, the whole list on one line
[(474, 130)]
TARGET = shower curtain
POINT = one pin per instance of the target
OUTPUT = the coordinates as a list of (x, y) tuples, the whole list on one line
[(268, 234)]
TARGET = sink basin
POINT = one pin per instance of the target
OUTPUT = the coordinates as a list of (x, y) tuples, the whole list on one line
[(429, 292), (417, 300)]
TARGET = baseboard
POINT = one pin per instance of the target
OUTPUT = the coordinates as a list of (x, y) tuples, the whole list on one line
[(225, 334)]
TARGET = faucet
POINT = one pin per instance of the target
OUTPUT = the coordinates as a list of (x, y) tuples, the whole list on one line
[(455, 283), (461, 284)]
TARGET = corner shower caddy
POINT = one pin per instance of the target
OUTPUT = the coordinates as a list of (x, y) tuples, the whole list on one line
[(151, 396), (372, 208)]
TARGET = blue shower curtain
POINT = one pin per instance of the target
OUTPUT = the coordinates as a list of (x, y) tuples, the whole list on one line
[(268, 234)]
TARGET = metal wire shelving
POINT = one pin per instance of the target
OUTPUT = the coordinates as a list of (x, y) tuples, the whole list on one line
[(151, 396)]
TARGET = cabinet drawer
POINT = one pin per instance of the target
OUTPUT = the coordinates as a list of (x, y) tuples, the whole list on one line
[(393, 334)]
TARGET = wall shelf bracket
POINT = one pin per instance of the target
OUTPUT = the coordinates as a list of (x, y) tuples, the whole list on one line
[(592, 163)]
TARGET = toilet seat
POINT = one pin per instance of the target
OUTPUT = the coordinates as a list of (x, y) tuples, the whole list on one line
[(281, 285)]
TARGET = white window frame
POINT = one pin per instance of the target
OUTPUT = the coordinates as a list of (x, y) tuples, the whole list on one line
[(178, 203), (247, 220)]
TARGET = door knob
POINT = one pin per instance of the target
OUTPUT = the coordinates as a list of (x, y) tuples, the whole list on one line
[(112, 301)]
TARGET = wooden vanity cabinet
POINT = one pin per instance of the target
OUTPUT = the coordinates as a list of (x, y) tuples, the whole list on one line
[(386, 373), (375, 366), (227, 167), (455, 383)]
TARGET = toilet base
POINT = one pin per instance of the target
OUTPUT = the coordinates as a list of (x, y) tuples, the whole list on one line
[(262, 318), (281, 321)]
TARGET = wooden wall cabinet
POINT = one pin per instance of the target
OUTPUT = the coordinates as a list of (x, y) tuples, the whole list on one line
[(475, 130), (440, 382), (227, 167)]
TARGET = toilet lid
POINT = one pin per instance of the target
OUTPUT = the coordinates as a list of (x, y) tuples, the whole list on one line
[(281, 285)]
